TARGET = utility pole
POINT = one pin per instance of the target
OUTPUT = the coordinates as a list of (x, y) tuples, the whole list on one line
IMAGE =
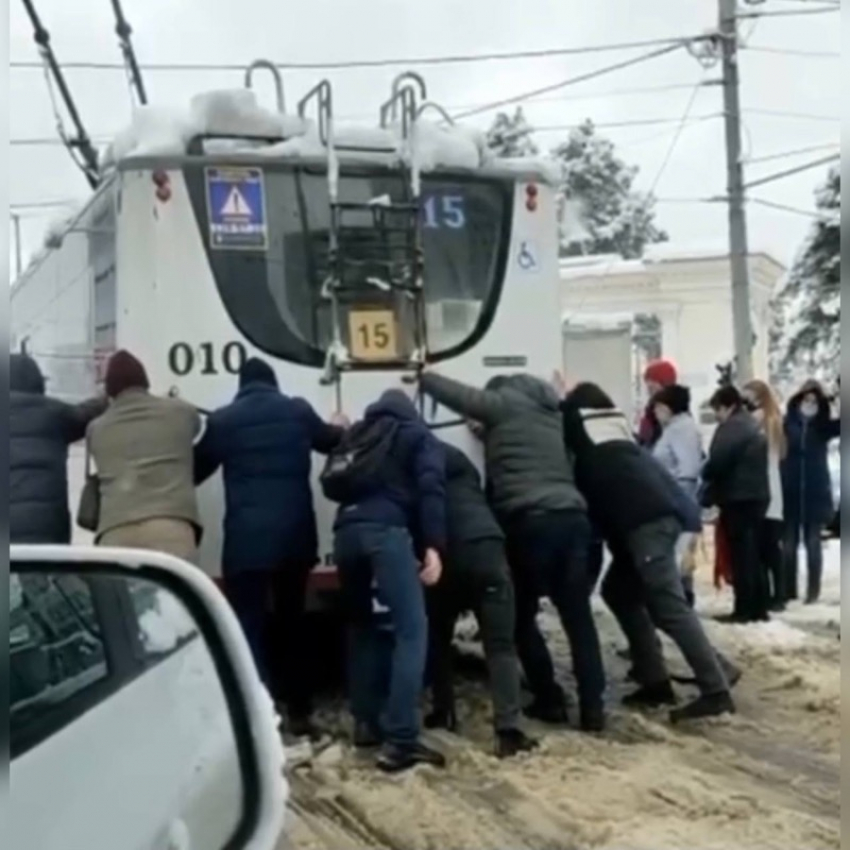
[(738, 248), (16, 223)]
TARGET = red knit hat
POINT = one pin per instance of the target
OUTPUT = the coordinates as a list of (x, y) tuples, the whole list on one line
[(124, 372), (661, 372)]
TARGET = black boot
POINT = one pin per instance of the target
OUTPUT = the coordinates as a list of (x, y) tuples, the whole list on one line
[(511, 742), (707, 705), (592, 718), (367, 736), (735, 618), (651, 696), (395, 758), (442, 718)]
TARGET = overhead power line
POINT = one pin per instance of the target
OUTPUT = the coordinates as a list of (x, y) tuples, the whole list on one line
[(792, 51), (802, 116), (597, 95), (381, 63), (683, 121), (763, 202), (638, 122), (619, 66), (786, 13), (786, 154), (780, 175)]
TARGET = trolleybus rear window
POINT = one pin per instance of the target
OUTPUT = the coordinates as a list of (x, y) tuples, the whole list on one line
[(271, 276)]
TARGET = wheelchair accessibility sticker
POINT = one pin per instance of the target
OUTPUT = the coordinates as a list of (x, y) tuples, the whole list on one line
[(527, 257)]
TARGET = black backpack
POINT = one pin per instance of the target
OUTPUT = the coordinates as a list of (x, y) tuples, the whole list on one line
[(361, 461)]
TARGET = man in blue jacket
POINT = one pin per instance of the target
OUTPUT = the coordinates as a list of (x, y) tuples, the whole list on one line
[(390, 538), (263, 441)]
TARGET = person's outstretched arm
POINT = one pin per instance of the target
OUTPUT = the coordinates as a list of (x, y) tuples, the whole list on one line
[(324, 436), (208, 451), (76, 417), (484, 406), (429, 470)]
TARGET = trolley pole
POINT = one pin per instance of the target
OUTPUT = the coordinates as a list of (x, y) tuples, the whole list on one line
[(738, 248)]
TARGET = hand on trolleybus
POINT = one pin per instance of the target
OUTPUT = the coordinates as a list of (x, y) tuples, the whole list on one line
[(561, 384)]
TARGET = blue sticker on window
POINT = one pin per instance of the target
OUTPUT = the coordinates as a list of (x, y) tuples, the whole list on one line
[(236, 208)]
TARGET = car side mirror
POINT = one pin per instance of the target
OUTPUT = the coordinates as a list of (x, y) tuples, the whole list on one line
[(135, 708)]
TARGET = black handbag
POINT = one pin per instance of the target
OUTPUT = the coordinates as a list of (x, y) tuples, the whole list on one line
[(88, 511)]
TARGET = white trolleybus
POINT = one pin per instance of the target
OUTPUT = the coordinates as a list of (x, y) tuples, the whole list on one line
[(345, 258)]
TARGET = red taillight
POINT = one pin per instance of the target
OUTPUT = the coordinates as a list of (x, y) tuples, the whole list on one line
[(163, 185), (531, 197)]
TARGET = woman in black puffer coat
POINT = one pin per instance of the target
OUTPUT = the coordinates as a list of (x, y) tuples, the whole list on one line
[(806, 484), (40, 430)]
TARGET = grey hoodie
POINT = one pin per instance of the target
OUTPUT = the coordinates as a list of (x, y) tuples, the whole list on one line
[(680, 452), (528, 468)]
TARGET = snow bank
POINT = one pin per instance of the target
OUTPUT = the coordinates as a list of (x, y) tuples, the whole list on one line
[(666, 252), (236, 112), (166, 131), (431, 145), (603, 265), (435, 145), (775, 636), (163, 131), (546, 167)]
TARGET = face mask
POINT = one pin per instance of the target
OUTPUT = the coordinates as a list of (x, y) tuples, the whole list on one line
[(808, 409)]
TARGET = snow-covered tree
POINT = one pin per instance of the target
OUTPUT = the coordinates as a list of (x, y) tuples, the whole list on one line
[(601, 212), (807, 323), (511, 135)]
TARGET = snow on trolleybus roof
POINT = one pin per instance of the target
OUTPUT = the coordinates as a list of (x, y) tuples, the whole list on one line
[(231, 125)]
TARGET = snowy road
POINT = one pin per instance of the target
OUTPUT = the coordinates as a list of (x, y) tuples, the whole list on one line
[(766, 779)]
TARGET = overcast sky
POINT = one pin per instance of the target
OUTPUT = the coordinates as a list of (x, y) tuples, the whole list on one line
[(335, 30)]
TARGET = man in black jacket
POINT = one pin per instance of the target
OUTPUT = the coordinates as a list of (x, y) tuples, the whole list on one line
[(534, 496), (40, 430), (639, 509), (736, 480), (476, 576)]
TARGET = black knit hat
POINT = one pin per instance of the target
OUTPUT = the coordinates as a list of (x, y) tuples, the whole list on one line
[(676, 397), (256, 371)]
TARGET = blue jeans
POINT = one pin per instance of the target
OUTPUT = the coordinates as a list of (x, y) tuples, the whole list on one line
[(386, 657)]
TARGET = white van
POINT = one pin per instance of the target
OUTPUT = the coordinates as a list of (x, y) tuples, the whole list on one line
[(136, 717)]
